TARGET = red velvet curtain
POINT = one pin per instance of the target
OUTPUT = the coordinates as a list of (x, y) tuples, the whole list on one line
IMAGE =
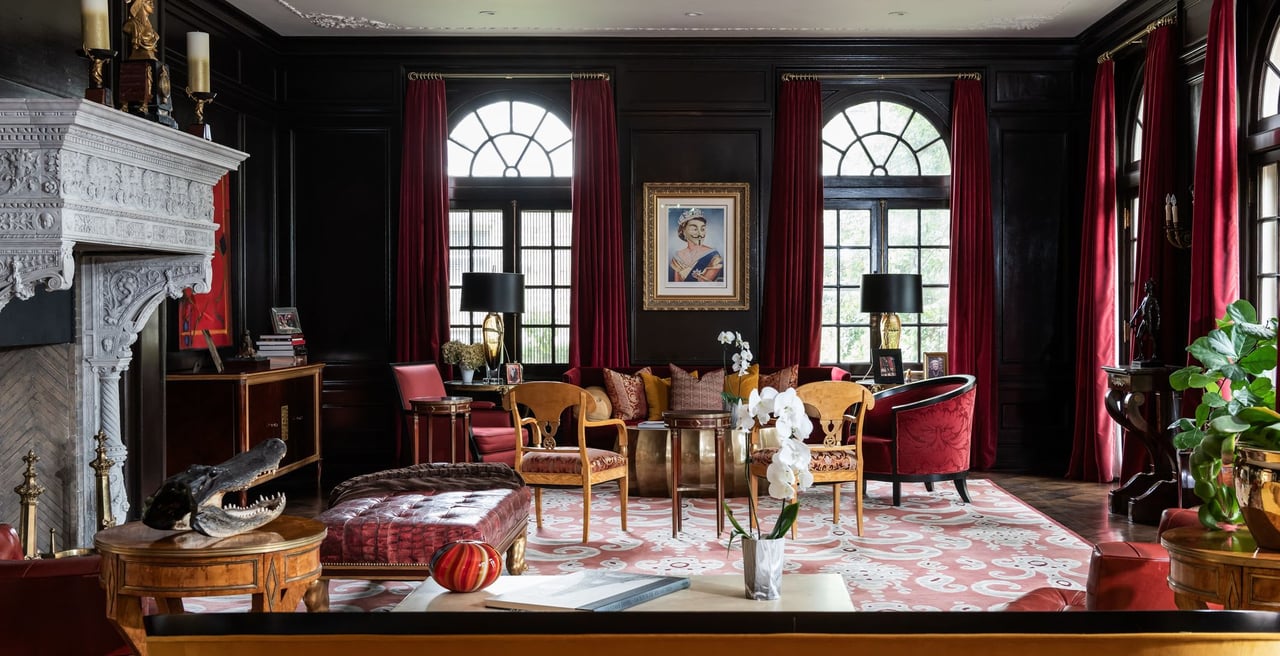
[(1214, 256), (791, 324), (422, 267), (1091, 451), (598, 299), (971, 315), (1155, 257)]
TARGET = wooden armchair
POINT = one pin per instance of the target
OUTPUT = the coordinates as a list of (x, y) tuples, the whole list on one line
[(837, 460), (541, 406)]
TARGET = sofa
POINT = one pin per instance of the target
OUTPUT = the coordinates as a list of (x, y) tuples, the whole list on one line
[(55, 605), (1122, 576)]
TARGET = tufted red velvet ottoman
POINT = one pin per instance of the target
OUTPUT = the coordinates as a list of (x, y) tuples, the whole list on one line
[(387, 525)]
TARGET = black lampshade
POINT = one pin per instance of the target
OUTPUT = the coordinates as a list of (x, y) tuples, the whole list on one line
[(492, 292), (891, 292)]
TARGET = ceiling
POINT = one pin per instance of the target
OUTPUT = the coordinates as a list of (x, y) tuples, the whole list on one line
[(681, 18)]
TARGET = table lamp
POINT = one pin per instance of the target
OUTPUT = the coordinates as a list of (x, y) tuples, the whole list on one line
[(494, 293), (888, 294)]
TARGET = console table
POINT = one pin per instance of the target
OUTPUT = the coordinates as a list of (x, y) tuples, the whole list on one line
[(1142, 402), (275, 564)]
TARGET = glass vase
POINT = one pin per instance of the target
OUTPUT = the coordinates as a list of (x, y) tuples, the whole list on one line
[(762, 567)]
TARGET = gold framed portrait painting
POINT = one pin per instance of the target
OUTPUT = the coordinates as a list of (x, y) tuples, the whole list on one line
[(695, 245)]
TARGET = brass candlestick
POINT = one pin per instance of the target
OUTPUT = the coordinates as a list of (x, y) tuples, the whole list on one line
[(30, 492), (98, 58), (102, 471), (201, 98)]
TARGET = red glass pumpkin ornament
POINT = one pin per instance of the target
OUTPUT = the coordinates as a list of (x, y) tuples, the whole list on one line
[(466, 565)]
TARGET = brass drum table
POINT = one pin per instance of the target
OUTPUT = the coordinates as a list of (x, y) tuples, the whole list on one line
[(274, 564), (1221, 567), (451, 406), (679, 421)]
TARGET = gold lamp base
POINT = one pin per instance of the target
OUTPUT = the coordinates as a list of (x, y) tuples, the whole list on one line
[(890, 330), (491, 330)]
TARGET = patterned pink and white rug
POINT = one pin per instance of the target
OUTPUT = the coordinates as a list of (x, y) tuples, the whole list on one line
[(932, 553)]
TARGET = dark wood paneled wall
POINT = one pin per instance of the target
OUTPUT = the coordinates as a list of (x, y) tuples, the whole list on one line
[(316, 203)]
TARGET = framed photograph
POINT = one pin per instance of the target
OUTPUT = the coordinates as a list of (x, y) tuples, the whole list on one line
[(285, 320), (213, 351), (935, 364), (887, 366), (514, 373), (695, 246)]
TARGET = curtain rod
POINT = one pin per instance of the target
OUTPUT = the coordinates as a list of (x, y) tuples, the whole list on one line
[(508, 76), (788, 77), (1168, 19)]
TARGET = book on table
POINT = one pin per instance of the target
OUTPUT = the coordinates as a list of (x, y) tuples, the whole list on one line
[(652, 424), (589, 590)]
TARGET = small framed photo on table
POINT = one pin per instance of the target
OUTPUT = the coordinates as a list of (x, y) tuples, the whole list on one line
[(514, 373), (887, 366), (935, 364), (285, 320)]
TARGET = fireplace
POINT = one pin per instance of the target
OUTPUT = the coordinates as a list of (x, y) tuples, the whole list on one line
[(120, 211)]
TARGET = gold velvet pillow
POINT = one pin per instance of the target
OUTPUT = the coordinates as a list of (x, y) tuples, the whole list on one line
[(626, 394), (782, 379), (657, 394), (603, 408), (741, 384), (691, 392)]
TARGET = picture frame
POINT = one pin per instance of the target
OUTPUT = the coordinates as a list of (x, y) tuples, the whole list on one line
[(887, 366), (213, 351), (936, 364), (710, 271), (514, 373), (284, 320)]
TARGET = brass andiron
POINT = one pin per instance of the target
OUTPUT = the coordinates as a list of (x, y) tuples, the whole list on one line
[(30, 492), (1175, 231), (101, 472)]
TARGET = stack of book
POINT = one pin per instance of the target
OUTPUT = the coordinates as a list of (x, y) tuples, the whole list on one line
[(283, 349)]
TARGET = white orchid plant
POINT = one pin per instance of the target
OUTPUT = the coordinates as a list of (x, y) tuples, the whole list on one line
[(741, 362), (788, 473)]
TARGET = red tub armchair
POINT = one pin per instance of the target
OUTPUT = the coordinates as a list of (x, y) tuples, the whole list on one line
[(492, 438), (920, 433)]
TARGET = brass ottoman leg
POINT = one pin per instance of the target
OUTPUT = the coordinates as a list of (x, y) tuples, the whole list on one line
[(515, 556)]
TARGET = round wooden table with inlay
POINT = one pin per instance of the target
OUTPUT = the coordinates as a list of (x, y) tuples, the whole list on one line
[(274, 564), (679, 421), (1221, 567)]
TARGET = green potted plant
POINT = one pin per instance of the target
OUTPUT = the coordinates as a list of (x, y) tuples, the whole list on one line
[(1238, 361)]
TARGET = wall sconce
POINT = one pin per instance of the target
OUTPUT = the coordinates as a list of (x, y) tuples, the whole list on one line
[(1176, 231)]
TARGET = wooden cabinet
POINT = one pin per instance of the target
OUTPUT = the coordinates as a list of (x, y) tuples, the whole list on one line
[(211, 417)]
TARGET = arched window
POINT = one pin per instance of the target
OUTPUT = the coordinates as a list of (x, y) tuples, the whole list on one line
[(886, 178), (1266, 218), (1127, 187), (510, 162)]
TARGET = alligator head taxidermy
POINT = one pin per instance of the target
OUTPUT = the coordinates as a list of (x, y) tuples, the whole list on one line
[(192, 500)]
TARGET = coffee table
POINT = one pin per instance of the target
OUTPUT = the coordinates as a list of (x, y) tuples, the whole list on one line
[(706, 592)]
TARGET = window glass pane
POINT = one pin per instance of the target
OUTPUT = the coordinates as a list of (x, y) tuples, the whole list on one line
[(829, 307), (487, 162), (537, 306), (459, 228), (827, 350), (511, 147), (903, 162), (510, 139), (935, 266), (935, 227), (534, 162), (459, 160), (850, 306), (562, 306), (536, 345), (1267, 298), (830, 160), (1270, 96), (486, 260), (564, 267), (934, 159), (562, 162), (562, 345), (526, 118), (535, 228), (903, 227), (837, 133), (553, 133), (1135, 155), (495, 117), (904, 260), (894, 117), (933, 339), (830, 266), (861, 220), (855, 162), (536, 265), (486, 228), (935, 305), (920, 133), (1268, 185), (864, 117), (910, 343), (469, 133), (879, 147), (563, 228)]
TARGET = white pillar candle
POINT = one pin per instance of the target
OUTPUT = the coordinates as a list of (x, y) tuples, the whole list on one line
[(93, 23), (198, 61)]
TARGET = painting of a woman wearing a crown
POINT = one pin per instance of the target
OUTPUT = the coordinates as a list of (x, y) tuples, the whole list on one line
[(696, 262)]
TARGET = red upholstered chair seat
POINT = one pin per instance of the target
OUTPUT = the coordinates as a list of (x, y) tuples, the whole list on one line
[(565, 460)]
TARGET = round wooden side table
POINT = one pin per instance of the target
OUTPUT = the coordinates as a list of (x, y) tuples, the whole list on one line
[(1221, 567), (682, 420), (274, 564), (451, 406)]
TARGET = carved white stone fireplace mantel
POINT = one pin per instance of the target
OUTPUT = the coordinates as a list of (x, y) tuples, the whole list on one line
[(120, 210)]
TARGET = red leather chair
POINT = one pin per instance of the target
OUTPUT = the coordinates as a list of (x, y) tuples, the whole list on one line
[(920, 433), (1122, 576), (53, 606), (492, 437)]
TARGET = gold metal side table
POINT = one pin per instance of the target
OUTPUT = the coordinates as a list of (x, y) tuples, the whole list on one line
[(679, 421), (452, 406)]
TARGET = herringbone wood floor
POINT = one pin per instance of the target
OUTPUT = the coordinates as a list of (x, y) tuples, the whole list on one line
[(1081, 507)]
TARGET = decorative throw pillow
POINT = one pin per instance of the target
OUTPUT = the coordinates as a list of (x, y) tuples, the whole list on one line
[(603, 408), (626, 394), (691, 392), (657, 394), (742, 384), (782, 379)]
